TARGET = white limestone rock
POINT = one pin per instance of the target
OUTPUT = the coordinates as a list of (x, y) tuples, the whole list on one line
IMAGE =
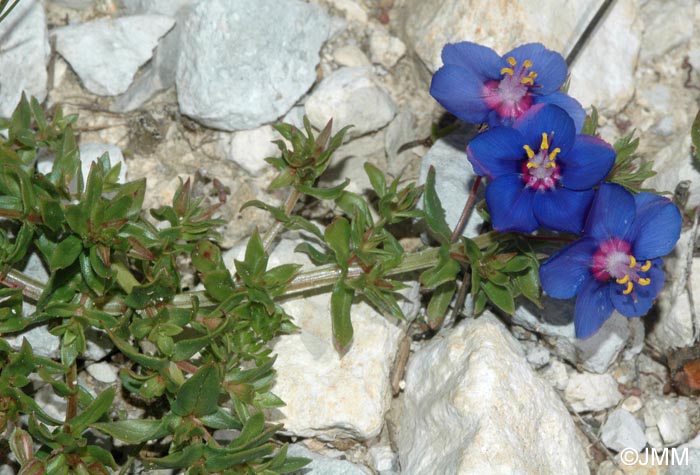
[(674, 327), (24, 55), (591, 392), (322, 465), (538, 356), (244, 63), (623, 431), (351, 56), (159, 73), (90, 152), (462, 392), (102, 372), (352, 9), (385, 49), (500, 25), (671, 417), (556, 375), (555, 320), (106, 53), (454, 177), (667, 25), (250, 148), (350, 97), (603, 76), (328, 396)]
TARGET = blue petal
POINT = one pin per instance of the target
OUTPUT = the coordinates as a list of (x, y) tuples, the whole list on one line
[(549, 65), (593, 307), (587, 163), (563, 274), (460, 92), (642, 298), (547, 118), (566, 102), (497, 152), (656, 227), (481, 60), (562, 209), (510, 204), (611, 213)]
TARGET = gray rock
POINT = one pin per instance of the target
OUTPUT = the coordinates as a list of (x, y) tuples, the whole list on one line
[(622, 431), (76, 4), (107, 53), (400, 131), (428, 26), (538, 356), (674, 326), (459, 403), (250, 148), (591, 392), (159, 73), (322, 465), (102, 372), (24, 55), (351, 56), (687, 464), (671, 417), (454, 177), (350, 96), (245, 63), (609, 84), (385, 49)]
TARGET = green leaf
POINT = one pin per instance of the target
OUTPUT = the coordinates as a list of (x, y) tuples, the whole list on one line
[(337, 236), (517, 264), (341, 302), (184, 458), (590, 125), (134, 431), (91, 414), (324, 193), (218, 283), (376, 179), (440, 303), (317, 257), (529, 284), (445, 270), (499, 296), (132, 353), (216, 462), (434, 212), (51, 213), (206, 256), (221, 419), (65, 253), (199, 395)]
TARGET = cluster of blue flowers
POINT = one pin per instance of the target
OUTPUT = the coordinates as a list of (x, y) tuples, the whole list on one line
[(543, 173)]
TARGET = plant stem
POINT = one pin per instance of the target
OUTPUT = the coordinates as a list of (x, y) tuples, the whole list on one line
[(276, 227), (72, 408), (469, 205), (31, 288)]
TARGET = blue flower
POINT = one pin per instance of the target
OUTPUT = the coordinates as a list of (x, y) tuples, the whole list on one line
[(477, 85), (541, 173), (616, 264)]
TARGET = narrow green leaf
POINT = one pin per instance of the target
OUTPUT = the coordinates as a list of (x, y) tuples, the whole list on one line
[(440, 303), (376, 179), (445, 270), (65, 253), (434, 212), (91, 414), (221, 419), (337, 236), (132, 353), (341, 302), (184, 458), (133, 431), (695, 138), (499, 296), (324, 193)]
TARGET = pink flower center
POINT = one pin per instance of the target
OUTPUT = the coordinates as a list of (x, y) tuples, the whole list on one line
[(540, 171), (510, 96), (613, 260)]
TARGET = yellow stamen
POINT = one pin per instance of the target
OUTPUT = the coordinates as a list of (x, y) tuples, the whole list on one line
[(531, 165), (646, 266), (624, 280), (633, 262), (554, 153), (528, 81), (629, 288), (550, 165), (507, 71), (545, 141), (643, 281), (527, 63), (532, 75), (511, 60), (529, 151)]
